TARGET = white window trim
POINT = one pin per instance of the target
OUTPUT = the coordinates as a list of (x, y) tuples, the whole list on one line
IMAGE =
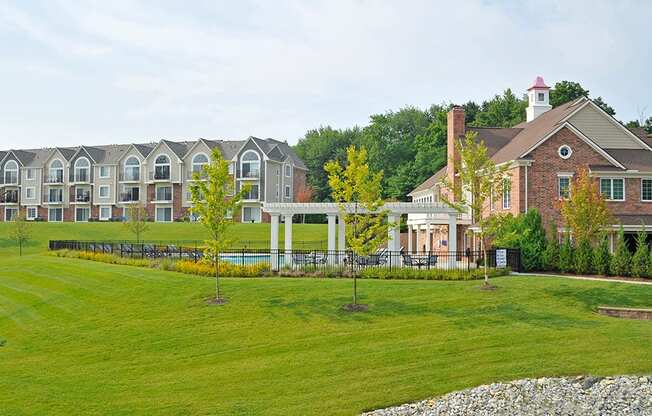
[(51, 209), (287, 192), (200, 164), (101, 218), (13, 169), (286, 171), (108, 172), (127, 166), (164, 207), (159, 186), (645, 179), (80, 168), (570, 180), (33, 188), (89, 214), (11, 209), (27, 174), (612, 187), (99, 192), (260, 215), (55, 170), (242, 161), (27, 216), (570, 151), (507, 191)]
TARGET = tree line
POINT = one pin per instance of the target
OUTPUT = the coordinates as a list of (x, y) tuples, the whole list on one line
[(409, 145)]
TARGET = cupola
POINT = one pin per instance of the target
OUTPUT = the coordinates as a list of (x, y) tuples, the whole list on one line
[(538, 99)]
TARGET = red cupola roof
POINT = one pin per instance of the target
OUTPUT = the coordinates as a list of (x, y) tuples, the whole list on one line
[(539, 84)]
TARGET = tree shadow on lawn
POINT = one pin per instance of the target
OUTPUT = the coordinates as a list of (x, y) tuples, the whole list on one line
[(619, 294)]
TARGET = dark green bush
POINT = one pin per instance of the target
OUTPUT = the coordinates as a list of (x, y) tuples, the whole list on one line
[(602, 257), (524, 232), (550, 258), (641, 256), (566, 252), (582, 258), (621, 258), (431, 274)]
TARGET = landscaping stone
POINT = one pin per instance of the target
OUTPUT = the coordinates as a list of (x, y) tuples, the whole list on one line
[(625, 395)]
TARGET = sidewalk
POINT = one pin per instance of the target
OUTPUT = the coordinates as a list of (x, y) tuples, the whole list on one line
[(599, 279)]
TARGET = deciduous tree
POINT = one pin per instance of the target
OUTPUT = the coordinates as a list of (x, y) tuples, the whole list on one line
[(21, 231), (137, 220)]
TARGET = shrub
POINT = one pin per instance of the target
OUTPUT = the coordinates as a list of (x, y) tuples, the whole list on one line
[(641, 256), (582, 257), (225, 269), (566, 255), (550, 257), (524, 232), (621, 258), (602, 257), (384, 273)]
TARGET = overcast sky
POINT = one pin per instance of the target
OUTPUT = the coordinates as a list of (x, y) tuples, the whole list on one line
[(102, 72)]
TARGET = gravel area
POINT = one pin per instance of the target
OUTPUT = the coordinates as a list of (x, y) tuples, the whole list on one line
[(626, 395)]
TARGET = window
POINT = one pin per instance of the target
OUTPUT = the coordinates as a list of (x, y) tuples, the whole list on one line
[(55, 214), (29, 174), (250, 164), (105, 213), (32, 212), (198, 162), (82, 170), (131, 169), (507, 193), (540, 96), (253, 193), (565, 151), (11, 172), (82, 194), (163, 193), (30, 192), (564, 187), (162, 168), (55, 195), (612, 189), (11, 214), (164, 214), (287, 191), (646, 189), (130, 194), (104, 191), (55, 174), (82, 214), (288, 170), (250, 214), (104, 172)]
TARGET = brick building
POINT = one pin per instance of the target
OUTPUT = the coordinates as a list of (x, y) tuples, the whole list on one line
[(100, 182), (544, 153)]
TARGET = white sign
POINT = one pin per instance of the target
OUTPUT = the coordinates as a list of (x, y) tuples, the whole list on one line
[(501, 258)]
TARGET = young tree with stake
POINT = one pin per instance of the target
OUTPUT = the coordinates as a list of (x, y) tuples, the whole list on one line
[(358, 193), (214, 200), (137, 219), (21, 231), (479, 177)]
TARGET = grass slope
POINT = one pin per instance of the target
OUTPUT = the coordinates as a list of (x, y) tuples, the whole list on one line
[(90, 338), (253, 235)]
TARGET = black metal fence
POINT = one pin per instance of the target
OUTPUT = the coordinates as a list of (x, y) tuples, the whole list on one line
[(309, 260)]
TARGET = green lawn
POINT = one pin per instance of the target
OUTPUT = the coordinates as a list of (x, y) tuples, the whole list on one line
[(91, 338), (252, 235)]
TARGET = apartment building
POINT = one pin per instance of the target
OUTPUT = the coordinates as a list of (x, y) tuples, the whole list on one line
[(543, 154), (98, 183)]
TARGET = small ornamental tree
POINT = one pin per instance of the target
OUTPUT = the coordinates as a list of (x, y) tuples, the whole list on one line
[(20, 232), (550, 257), (602, 256), (479, 177), (136, 221), (566, 255), (641, 255), (585, 212), (213, 201), (583, 257), (358, 192), (303, 193), (621, 258)]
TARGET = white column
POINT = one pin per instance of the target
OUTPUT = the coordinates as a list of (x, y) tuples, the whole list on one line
[(288, 239), (409, 239), (332, 230), (394, 240), (452, 238), (416, 240), (341, 237), (273, 241), (428, 237)]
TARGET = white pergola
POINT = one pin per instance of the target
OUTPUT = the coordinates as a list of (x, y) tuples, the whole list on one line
[(336, 224)]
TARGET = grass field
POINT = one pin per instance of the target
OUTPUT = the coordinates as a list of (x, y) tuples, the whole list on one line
[(253, 235), (80, 337)]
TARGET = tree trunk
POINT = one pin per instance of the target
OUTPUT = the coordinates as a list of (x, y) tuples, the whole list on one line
[(484, 253), (355, 290), (217, 277), (20, 248)]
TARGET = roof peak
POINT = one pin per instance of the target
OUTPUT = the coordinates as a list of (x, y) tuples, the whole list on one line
[(539, 84)]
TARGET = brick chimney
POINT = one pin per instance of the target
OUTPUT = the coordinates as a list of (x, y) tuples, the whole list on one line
[(456, 129)]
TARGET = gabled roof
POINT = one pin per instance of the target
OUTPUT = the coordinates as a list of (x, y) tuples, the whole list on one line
[(178, 148), (144, 148), (286, 149)]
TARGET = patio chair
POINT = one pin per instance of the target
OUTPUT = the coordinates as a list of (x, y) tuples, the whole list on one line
[(107, 248), (321, 258), (148, 250), (302, 258), (432, 260), (127, 249), (408, 261)]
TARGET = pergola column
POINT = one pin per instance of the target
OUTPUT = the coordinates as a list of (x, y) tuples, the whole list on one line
[(428, 237), (452, 239), (288, 239), (332, 230), (410, 239), (273, 241), (341, 238), (418, 232), (394, 239)]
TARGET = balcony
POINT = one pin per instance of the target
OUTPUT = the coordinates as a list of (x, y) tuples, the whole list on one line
[(9, 178), (130, 175), (163, 195), (250, 173), (54, 179), (132, 196), (161, 173), (10, 197), (81, 176), (252, 195), (82, 197), (190, 175), (53, 199)]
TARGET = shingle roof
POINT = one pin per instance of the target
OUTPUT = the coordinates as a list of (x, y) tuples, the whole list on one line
[(431, 181)]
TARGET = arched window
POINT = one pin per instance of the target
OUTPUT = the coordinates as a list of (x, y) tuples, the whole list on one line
[(250, 164), (82, 170), (131, 169), (11, 172), (162, 167), (55, 174), (198, 161)]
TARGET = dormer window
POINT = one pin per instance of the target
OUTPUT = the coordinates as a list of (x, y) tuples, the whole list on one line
[(162, 168)]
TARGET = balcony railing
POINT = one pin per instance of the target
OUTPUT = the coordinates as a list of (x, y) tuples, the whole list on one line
[(130, 176), (53, 199), (253, 173), (80, 176), (9, 179), (58, 178), (160, 173), (133, 196), (82, 197), (190, 175), (9, 198)]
